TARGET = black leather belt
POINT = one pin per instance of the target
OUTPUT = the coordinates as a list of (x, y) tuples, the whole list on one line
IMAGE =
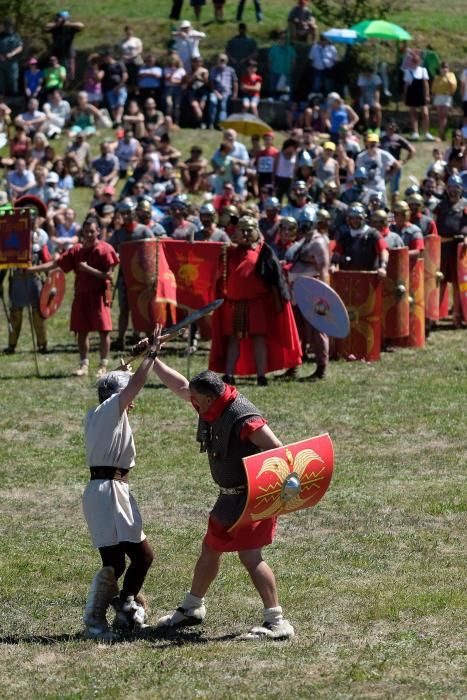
[(113, 473)]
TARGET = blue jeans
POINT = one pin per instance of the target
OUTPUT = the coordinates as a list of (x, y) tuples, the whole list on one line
[(241, 7), (394, 181), (217, 108)]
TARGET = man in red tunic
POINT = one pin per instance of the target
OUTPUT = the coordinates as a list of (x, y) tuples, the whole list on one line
[(254, 330), (92, 262)]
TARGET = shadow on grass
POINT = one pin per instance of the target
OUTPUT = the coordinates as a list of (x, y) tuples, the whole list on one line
[(155, 635)]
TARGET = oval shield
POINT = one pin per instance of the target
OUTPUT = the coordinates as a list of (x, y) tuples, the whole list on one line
[(321, 306), (52, 293)]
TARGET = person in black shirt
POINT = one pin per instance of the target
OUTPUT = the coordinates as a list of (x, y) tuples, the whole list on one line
[(63, 32)]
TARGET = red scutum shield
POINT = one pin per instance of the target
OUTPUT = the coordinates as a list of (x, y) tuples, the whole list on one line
[(15, 239), (416, 338), (432, 258), (395, 317), (287, 479), (462, 278), (361, 293)]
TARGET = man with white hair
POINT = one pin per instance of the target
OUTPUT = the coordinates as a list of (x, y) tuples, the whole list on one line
[(111, 512)]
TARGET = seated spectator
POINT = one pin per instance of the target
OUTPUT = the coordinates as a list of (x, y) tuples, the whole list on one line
[(65, 180), (224, 87), (114, 86), (313, 117), (131, 49), (250, 88), (155, 122), (55, 197), (39, 144), (369, 84), (33, 119), (197, 86), (33, 78), (84, 117), (187, 43), (169, 181), (19, 180), (128, 152), (58, 113), (302, 24), (106, 167), (194, 171), (65, 230), (40, 188), (150, 79), (295, 115), (93, 80), (240, 50), (134, 119), (222, 164), (226, 198), (443, 89), (54, 76), (394, 143), (174, 75), (323, 58), (167, 152), (438, 164), (78, 158), (281, 61)]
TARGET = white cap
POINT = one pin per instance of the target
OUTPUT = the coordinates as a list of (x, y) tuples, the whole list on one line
[(52, 177), (185, 24)]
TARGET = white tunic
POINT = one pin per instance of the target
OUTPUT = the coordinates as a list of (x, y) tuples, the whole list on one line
[(110, 510)]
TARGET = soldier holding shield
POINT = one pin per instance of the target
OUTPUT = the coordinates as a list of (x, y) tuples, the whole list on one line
[(230, 427)]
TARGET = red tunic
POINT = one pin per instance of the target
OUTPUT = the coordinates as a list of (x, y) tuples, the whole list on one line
[(90, 310), (251, 308)]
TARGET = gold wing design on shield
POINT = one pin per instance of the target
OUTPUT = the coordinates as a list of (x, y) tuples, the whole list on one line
[(282, 469)]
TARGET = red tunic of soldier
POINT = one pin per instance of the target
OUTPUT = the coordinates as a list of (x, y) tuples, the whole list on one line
[(254, 331)]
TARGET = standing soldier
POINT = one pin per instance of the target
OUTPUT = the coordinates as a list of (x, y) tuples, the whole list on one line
[(451, 219), (410, 234), (131, 230), (379, 221), (26, 285), (425, 223), (359, 246)]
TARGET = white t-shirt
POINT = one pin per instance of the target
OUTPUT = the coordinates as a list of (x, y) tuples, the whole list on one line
[(108, 436), (418, 73), (131, 48)]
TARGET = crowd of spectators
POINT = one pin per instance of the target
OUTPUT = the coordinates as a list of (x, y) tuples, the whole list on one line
[(334, 155)]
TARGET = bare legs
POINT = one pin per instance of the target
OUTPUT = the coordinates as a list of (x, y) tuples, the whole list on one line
[(233, 351), (207, 568)]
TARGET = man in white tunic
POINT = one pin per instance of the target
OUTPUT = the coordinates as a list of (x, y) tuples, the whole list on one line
[(111, 512)]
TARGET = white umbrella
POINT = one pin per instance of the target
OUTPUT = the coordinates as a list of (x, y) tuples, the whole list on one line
[(343, 36)]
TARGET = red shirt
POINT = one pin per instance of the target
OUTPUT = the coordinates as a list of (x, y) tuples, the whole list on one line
[(243, 282), (251, 80), (265, 160), (102, 257)]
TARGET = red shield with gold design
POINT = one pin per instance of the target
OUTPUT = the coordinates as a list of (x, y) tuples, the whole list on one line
[(433, 276), (416, 337), (150, 284), (15, 239), (287, 479), (361, 293), (52, 293), (395, 318), (462, 278)]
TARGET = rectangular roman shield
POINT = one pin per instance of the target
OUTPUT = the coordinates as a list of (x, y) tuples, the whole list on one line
[(462, 278), (361, 293), (15, 239), (416, 337), (395, 317), (432, 258), (150, 284), (287, 478)]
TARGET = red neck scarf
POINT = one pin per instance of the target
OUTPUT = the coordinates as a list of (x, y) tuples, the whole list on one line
[(218, 406)]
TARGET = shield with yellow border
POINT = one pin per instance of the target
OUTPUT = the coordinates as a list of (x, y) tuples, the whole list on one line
[(433, 276), (286, 479), (361, 293), (396, 310), (416, 337), (462, 277)]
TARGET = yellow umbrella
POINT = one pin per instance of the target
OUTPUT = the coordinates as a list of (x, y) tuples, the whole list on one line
[(246, 124)]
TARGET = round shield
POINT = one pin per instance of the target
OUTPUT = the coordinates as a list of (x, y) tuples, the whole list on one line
[(52, 293), (322, 307)]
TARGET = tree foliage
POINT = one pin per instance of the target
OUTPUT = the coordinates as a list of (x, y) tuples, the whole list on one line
[(345, 13), (28, 18)]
